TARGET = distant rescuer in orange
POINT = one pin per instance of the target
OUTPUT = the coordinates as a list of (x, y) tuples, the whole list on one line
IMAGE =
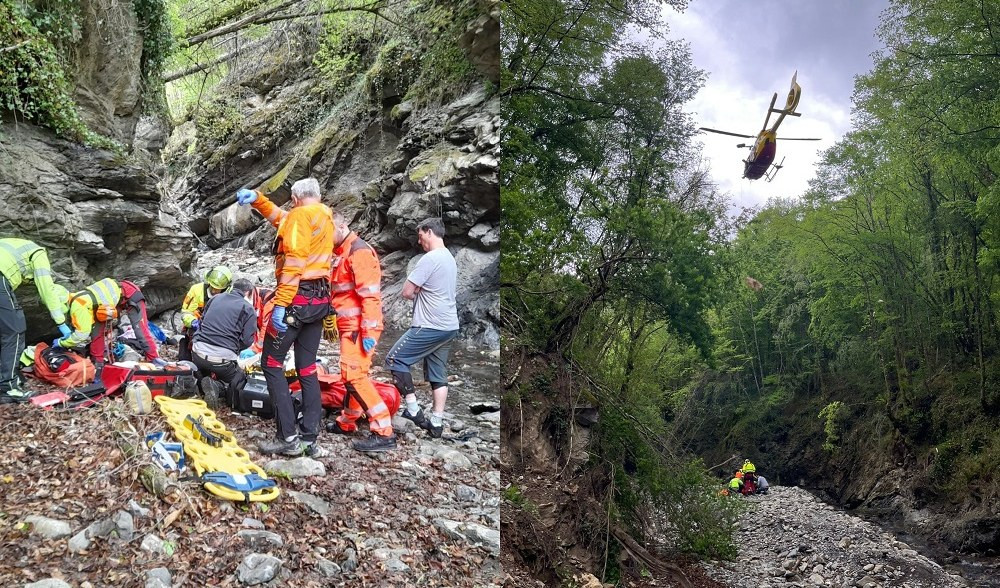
[(303, 250), (357, 298)]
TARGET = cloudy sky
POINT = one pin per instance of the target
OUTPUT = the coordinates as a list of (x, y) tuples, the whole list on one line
[(750, 49)]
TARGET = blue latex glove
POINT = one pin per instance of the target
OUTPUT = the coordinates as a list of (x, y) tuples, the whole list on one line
[(159, 362), (247, 353), (195, 324), (56, 341), (368, 343), (278, 319), (64, 330), (244, 196)]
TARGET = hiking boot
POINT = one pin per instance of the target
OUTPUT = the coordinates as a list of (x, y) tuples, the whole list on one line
[(272, 446), (433, 431), (315, 451), (212, 389), (418, 419), (376, 443), (335, 427), (14, 396)]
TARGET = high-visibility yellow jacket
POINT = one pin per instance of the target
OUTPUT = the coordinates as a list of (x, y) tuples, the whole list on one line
[(24, 261), (194, 303), (748, 467), (303, 247), (83, 311), (735, 484)]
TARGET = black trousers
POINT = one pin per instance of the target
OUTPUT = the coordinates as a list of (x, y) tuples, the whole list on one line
[(305, 337), (184, 352), (227, 372), (12, 328)]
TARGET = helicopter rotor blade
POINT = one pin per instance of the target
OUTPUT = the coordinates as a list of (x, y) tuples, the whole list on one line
[(796, 139), (725, 132), (770, 108)]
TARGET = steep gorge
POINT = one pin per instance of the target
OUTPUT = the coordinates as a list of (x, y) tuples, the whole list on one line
[(388, 148), (398, 123)]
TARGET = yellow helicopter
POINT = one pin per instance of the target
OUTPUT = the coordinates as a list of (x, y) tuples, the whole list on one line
[(763, 150)]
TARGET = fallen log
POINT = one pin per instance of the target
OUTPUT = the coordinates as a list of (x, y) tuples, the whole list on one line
[(655, 565)]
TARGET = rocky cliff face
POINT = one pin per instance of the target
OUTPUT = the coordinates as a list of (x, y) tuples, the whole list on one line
[(387, 164), (97, 213), (97, 216)]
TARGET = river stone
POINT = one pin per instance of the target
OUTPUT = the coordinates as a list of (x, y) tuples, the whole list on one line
[(452, 459), (158, 578), (260, 539), (48, 583), (258, 568), (327, 567), (152, 544), (350, 562), (472, 532), (467, 493), (124, 524), (252, 523), (317, 504), (300, 467), (48, 528)]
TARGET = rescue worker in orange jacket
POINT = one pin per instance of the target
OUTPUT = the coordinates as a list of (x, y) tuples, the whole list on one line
[(357, 299), (303, 250)]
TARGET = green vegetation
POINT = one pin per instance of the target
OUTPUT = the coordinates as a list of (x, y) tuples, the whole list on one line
[(833, 418), (610, 244), (33, 82), (35, 77)]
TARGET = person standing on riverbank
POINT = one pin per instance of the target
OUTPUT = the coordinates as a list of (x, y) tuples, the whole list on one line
[(431, 286)]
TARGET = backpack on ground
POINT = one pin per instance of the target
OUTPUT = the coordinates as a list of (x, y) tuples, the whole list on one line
[(62, 367)]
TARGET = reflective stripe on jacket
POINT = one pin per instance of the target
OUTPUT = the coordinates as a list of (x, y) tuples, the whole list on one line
[(303, 247), (82, 313), (263, 303), (24, 261), (355, 286)]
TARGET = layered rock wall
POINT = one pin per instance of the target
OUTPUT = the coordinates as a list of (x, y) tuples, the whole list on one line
[(387, 164)]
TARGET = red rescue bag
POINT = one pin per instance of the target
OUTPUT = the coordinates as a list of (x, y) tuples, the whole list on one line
[(332, 391)]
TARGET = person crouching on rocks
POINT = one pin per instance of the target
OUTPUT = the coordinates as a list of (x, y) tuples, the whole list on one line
[(228, 325), (736, 486)]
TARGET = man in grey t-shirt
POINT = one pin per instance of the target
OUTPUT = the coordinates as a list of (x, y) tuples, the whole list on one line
[(431, 286)]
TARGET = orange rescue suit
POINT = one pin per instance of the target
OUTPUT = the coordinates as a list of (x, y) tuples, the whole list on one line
[(303, 247), (356, 296)]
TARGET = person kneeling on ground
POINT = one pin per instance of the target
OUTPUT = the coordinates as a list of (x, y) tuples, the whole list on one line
[(93, 312), (228, 325), (735, 486), (762, 485)]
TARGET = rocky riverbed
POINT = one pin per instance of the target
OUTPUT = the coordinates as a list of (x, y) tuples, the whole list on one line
[(791, 538), (74, 513)]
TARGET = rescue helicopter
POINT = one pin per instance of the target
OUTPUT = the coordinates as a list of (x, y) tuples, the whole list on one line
[(759, 163)]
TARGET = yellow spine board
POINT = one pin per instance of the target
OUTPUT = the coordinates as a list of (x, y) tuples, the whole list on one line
[(229, 458)]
